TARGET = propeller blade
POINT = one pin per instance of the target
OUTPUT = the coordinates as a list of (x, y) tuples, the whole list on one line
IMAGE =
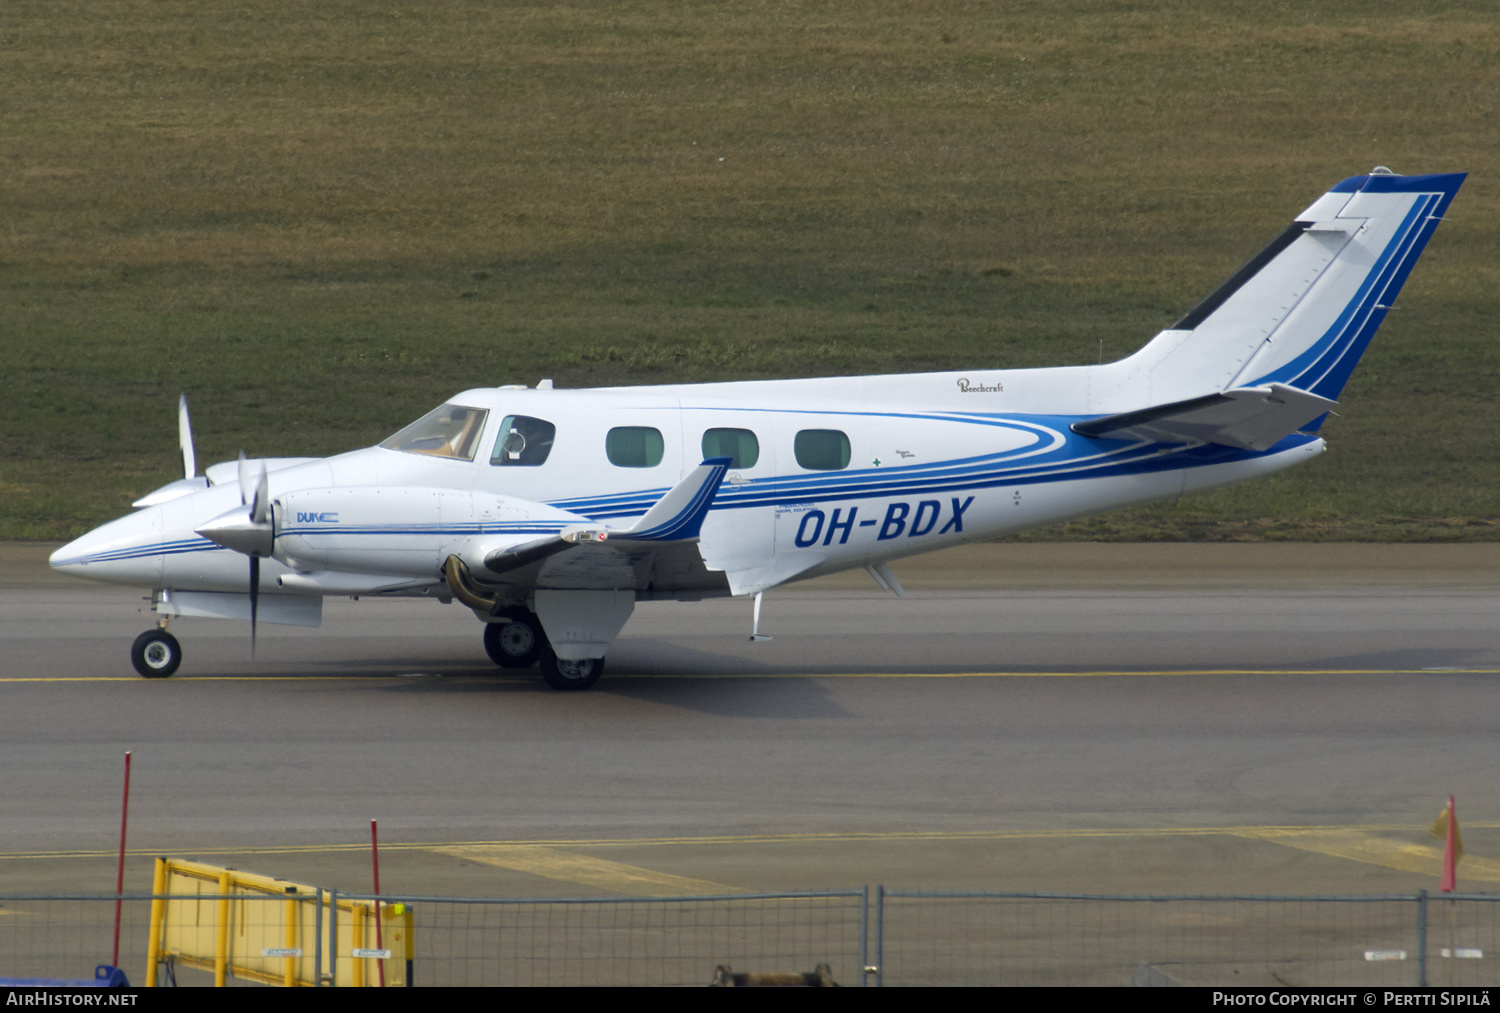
[(260, 507), (245, 489), (254, 598), (185, 438)]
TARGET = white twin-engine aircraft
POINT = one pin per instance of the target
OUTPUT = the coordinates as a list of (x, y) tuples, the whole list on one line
[(550, 513)]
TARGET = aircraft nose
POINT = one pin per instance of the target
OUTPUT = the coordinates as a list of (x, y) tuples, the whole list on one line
[(124, 551)]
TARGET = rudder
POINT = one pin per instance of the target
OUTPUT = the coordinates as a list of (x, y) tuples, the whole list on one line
[(1303, 310)]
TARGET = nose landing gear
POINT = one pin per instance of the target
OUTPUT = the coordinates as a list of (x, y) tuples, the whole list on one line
[(156, 654)]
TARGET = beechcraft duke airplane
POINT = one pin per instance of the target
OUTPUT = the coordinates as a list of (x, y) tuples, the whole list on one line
[(550, 513)]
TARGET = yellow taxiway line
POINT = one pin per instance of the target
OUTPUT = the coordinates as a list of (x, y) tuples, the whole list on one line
[(1269, 833), (1356, 844), (498, 677), (585, 870), (1390, 846)]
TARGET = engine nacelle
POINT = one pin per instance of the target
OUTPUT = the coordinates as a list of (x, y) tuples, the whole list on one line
[(371, 529)]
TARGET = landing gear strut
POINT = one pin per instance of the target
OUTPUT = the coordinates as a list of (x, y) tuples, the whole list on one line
[(517, 640), (156, 654)]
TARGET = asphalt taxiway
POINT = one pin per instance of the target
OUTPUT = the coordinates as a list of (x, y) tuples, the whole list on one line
[(1261, 718)]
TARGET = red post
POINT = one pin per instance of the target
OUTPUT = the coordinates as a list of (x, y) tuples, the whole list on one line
[(120, 876), (379, 934)]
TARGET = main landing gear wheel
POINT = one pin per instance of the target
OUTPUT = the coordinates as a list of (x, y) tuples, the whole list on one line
[(156, 654), (515, 641), (570, 675)]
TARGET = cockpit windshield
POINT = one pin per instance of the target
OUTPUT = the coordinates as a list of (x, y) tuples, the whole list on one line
[(450, 431)]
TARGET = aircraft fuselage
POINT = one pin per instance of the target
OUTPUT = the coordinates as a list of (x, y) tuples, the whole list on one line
[(551, 512), (915, 479)]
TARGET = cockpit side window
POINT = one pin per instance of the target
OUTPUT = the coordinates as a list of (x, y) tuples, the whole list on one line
[(523, 442), (450, 431)]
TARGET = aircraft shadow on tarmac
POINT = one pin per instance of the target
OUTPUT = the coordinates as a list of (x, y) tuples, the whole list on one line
[(698, 681), (783, 699), (1407, 660)]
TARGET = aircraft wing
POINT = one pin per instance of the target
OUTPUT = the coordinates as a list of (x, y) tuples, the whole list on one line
[(622, 564), (660, 547), (1247, 418)]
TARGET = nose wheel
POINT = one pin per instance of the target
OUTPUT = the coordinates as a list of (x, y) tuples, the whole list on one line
[(156, 654)]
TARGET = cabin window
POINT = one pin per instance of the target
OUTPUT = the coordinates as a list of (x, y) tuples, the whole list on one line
[(739, 445), (523, 442), (451, 431), (822, 449), (634, 446)]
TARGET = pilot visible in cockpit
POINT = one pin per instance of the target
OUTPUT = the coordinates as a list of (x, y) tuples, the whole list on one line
[(524, 441)]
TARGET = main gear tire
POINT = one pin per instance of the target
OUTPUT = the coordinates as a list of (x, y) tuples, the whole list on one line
[(516, 641), (570, 676)]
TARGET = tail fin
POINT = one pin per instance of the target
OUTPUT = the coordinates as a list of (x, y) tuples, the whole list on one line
[(1302, 311)]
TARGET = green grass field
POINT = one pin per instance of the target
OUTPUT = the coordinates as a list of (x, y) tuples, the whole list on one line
[(321, 220)]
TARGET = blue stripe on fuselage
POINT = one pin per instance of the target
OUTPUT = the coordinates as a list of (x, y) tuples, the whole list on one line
[(1069, 457)]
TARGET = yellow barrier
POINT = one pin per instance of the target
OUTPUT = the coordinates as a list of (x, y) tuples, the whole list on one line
[(210, 917)]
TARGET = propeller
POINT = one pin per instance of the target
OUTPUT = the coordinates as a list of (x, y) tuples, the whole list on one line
[(185, 438), (249, 528), (189, 482), (260, 508), (255, 493)]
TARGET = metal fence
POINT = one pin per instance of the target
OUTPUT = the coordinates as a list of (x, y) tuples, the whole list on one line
[(876, 937), (1074, 939), (66, 936), (637, 941)]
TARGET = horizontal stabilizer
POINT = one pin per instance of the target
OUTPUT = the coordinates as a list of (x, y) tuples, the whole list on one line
[(676, 517), (1247, 418)]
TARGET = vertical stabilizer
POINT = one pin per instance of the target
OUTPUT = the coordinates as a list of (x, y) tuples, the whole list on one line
[(1302, 311)]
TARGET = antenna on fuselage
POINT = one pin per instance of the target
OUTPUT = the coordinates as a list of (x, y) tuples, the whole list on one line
[(755, 633), (886, 579)]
